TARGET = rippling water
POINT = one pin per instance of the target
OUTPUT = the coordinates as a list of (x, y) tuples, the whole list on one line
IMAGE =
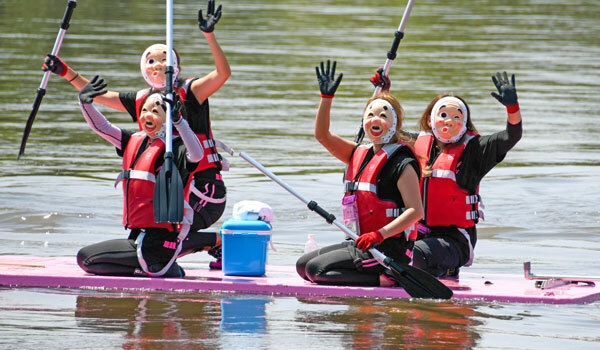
[(541, 201)]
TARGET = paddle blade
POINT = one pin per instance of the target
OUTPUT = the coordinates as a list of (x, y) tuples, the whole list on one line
[(168, 194), (36, 106), (418, 283)]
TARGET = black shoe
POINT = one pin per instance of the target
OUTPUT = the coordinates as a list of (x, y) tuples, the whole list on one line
[(217, 253)]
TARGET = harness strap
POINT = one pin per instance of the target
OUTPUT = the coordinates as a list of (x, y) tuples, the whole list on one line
[(447, 174), (135, 174), (475, 215), (351, 186)]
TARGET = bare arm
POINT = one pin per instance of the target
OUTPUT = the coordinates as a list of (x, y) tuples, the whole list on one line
[(336, 145), (408, 185), (109, 99), (204, 87)]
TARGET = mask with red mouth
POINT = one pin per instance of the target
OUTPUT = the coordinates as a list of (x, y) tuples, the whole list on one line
[(153, 116), (380, 121), (448, 119), (153, 63)]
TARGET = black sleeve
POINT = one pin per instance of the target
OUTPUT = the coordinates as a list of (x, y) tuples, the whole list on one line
[(128, 101), (125, 136), (483, 153), (392, 171)]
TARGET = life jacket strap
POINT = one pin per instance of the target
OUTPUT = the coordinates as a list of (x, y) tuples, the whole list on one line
[(475, 215), (351, 186), (394, 212), (135, 174), (446, 174)]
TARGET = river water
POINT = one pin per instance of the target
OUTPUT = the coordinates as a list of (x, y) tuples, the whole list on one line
[(541, 201)]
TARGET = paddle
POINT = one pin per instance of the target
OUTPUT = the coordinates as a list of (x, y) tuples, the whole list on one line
[(41, 91), (391, 55), (416, 282), (168, 189)]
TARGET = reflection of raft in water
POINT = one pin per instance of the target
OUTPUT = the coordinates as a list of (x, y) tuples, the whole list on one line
[(63, 272)]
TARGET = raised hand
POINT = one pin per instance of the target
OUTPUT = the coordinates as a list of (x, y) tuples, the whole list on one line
[(381, 80), (95, 87), (212, 17), (55, 65), (507, 91), (327, 82), (177, 108)]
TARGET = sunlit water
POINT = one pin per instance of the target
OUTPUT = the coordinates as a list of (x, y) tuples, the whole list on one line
[(541, 202)]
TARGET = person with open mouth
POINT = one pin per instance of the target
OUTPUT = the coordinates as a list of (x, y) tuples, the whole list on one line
[(151, 248), (208, 197), (454, 159), (381, 202)]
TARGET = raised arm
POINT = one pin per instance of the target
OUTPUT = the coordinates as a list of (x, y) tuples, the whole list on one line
[(507, 95), (204, 87), (93, 117), (195, 152), (336, 145), (57, 66)]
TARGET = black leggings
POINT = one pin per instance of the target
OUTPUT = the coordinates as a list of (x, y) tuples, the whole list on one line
[(436, 255), (340, 264), (118, 257)]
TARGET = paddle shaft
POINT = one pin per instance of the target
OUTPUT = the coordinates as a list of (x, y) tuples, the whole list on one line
[(312, 205), (41, 91), (169, 77), (391, 55)]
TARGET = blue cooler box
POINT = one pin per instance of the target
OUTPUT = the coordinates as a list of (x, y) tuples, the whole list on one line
[(245, 247)]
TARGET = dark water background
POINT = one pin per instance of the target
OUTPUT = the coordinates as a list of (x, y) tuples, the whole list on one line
[(541, 201)]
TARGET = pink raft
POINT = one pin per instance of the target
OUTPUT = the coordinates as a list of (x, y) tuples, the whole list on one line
[(63, 272)]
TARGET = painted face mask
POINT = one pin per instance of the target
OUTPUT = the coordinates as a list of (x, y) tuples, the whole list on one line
[(153, 116), (153, 64), (448, 119), (380, 121)]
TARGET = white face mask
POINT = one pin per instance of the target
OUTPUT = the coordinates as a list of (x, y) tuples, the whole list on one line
[(380, 121), (448, 119), (153, 116), (153, 63)]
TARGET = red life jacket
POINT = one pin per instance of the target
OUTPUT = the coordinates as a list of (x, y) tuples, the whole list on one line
[(212, 159), (139, 177), (444, 201), (373, 212)]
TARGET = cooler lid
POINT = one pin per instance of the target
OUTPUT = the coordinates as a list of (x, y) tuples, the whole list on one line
[(245, 225)]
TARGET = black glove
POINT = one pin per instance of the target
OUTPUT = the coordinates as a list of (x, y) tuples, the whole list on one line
[(94, 88), (382, 80), (507, 91), (327, 82), (212, 17), (55, 65), (177, 108)]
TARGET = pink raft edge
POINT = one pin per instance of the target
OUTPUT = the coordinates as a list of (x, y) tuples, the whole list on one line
[(63, 272)]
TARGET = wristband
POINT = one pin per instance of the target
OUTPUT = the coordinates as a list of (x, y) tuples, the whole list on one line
[(66, 70), (75, 77), (326, 96), (512, 109)]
